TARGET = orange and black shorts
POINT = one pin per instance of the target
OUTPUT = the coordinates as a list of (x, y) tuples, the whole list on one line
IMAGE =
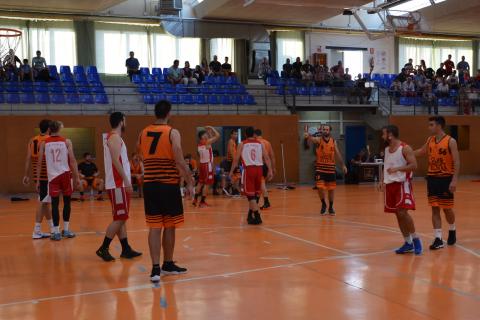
[(326, 181), (163, 205), (438, 189)]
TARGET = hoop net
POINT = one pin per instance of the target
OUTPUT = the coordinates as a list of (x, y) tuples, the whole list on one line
[(9, 40)]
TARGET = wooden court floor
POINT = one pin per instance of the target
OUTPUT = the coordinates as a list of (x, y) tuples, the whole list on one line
[(297, 265)]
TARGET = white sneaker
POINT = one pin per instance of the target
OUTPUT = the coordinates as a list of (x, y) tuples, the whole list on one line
[(40, 235)]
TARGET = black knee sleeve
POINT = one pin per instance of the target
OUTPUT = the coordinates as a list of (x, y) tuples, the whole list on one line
[(55, 211), (66, 208)]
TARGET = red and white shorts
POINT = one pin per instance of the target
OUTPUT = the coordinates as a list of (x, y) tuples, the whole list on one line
[(61, 184), (205, 174), (252, 180), (399, 195), (120, 201)]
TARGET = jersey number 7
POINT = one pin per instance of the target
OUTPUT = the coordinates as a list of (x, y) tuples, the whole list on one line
[(156, 137)]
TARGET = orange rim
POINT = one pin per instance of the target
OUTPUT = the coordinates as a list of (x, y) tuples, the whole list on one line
[(5, 33)]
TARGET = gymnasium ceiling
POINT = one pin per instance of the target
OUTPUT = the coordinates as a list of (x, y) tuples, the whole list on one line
[(78, 6), (301, 12)]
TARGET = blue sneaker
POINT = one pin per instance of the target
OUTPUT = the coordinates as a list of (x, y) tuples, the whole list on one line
[(68, 234), (56, 236), (417, 244), (406, 248)]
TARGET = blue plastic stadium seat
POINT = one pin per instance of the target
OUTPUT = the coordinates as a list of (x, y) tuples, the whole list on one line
[(2, 98), (219, 90), (86, 99), (200, 99), (56, 88), (144, 71), (12, 87), (188, 99), (157, 71), (27, 87), (43, 98), (206, 89), (165, 71), (101, 98), (13, 98), (281, 90), (143, 88), (225, 99), (158, 97), (78, 70), (83, 89), (70, 88), (213, 99), (136, 78), (27, 98), (239, 100), (80, 77), (40, 87), (250, 100), (93, 77), (98, 89), (168, 88), (148, 99), (92, 70), (180, 88), (65, 70), (72, 98), (58, 98), (52, 71)]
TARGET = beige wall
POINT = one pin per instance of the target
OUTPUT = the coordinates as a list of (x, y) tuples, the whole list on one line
[(17, 130)]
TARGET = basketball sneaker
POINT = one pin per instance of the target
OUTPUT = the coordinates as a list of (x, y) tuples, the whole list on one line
[(417, 245), (105, 254), (130, 254), (155, 275), (266, 205), (56, 236), (331, 211), (82, 198), (251, 218), (225, 192), (194, 202), (68, 234), (452, 237), (437, 244), (99, 198), (40, 235), (406, 248), (257, 218), (203, 204), (170, 268)]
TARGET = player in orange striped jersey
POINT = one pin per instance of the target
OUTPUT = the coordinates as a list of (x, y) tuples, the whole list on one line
[(443, 169), (31, 163), (325, 172)]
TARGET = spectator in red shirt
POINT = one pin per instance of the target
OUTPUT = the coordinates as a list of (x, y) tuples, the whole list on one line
[(449, 65)]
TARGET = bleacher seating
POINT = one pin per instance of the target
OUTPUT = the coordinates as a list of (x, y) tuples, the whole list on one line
[(64, 87), (214, 90)]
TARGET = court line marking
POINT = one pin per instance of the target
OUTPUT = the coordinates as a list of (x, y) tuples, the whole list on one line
[(207, 277), (305, 241)]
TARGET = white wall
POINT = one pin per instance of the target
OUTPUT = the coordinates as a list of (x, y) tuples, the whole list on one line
[(315, 40)]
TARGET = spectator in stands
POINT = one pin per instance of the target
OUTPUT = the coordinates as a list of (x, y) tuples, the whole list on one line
[(430, 74), (133, 66), (453, 81), (3, 76), (10, 65), (419, 75), (297, 68), (462, 67), (449, 65), (408, 88), (215, 66), (187, 75), (402, 76), (307, 75), (409, 65), (320, 76), (40, 67), (338, 71), (205, 67), (226, 67), (442, 89), (429, 99), (308, 66), (198, 74), (477, 77), (423, 65), (26, 73), (287, 69), (441, 71), (395, 90), (362, 91), (174, 74), (264, 70), (347, 76)]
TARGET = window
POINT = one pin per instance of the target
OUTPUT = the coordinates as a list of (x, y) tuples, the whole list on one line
[(353, 60), (167, 48), (222, 47), (289, 45)]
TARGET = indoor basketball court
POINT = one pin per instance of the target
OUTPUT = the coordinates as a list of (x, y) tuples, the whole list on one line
[(227, 159)]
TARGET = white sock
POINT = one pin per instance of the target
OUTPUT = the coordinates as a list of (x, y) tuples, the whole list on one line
[(37, 227), (65, 225), (50, 223), (452, 227), (56, 229), (414, 235), (409, 239), (438, 233)]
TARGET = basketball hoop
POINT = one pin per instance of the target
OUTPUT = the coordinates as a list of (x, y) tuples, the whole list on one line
[(9, 40)]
